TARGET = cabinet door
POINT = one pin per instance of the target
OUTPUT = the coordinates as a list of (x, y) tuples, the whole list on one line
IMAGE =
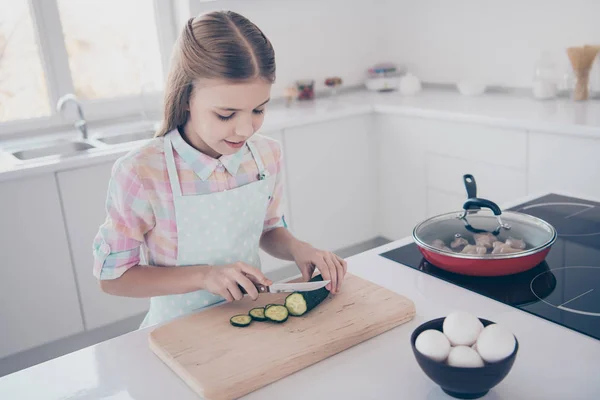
[(83, 193), (422, 163), (270, 263), (37, 287), (446, 190), (401, 176), (331, 181), (566, 164)]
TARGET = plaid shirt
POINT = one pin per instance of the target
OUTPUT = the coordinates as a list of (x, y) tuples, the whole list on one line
[(140, 207)]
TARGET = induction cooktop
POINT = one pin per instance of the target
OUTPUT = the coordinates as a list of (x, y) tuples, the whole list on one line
[(564, 289)]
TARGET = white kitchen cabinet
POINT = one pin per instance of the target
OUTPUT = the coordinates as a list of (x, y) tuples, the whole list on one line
[(566, 164), (83, 194), (445, 181), (332, 181), (37, 288), (422, 163), (402, 193), (270, 263)]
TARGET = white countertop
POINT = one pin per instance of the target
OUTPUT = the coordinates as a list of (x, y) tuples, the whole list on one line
[(561, 116), (553, 362)]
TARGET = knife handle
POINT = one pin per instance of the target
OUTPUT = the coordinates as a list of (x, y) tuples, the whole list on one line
[(259, 287)]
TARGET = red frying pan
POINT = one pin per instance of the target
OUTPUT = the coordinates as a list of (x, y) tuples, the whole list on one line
[(481, 240)]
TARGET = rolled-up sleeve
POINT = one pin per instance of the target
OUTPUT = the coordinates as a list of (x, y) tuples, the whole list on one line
[(275, 217), (129, 216)]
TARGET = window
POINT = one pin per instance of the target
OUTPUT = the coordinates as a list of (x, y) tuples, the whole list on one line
[(112, 54), (23, 92)]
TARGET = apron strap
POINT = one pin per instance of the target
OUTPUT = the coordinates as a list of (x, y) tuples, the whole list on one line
[(261, 167), (171, 168)]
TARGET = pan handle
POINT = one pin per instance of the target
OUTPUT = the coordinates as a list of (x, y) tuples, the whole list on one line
[(470, 185), (476, 204)]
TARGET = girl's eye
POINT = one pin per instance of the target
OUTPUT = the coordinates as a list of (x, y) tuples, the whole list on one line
[(228, 117), (225, 118)]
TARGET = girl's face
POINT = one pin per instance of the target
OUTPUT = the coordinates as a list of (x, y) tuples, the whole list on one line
[(223, 115)]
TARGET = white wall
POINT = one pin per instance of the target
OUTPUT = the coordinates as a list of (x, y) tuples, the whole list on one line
[(313, 38), (440, 40), (499, 41)]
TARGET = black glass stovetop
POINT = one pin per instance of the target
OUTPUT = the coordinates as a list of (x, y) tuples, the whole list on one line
[(564, 289)]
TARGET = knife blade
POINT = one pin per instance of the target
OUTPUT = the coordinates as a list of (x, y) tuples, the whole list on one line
[(288, 287)]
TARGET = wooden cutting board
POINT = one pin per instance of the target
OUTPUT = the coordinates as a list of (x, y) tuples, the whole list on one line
[(220, 361)]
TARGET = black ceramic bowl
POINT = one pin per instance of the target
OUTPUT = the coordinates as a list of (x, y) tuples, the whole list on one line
[(462, 383)]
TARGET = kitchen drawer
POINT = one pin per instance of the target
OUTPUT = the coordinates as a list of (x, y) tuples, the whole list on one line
[(499, 184), (492, 145), (564, 163)]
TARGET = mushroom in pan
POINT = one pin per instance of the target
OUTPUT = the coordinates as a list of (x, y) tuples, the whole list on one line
[(439, 244), (516, 243), (504, 249), (485, 239), (459, 242), (471, 249)]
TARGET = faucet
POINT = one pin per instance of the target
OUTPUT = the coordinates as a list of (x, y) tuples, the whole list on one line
[(81, 124)]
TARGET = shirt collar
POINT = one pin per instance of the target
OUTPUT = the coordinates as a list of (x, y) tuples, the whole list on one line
[(202, 164)]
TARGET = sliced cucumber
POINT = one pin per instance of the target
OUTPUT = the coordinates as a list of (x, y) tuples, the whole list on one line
[(299, 303), (241, 320), (296, 304), (277, 313), (258, 314)]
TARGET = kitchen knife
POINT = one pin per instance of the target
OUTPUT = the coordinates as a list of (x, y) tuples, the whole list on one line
[(288, 287)]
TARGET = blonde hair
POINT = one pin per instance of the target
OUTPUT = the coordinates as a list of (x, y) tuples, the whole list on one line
[(219, 44)]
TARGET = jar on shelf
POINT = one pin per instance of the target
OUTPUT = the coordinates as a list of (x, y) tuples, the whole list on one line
[(545, 79), (306, 89)]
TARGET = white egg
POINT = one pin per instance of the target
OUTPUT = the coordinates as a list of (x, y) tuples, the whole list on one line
[(495, 343), (464, 357), (433, 344), (462, 328)]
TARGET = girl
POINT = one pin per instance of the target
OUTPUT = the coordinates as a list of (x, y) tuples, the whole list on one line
[(206, 192)]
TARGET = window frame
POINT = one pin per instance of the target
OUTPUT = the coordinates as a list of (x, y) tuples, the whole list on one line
[(55, 64)]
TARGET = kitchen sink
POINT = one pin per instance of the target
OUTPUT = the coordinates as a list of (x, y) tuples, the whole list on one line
[(127, 137), (59, 149), (31, 151)]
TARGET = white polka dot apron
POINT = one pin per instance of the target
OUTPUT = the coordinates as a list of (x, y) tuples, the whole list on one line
[(213, 229)]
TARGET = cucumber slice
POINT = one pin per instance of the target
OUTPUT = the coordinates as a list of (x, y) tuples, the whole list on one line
[(299, 303), (277, 313), (296, 304), (258, 314), (241, 320)]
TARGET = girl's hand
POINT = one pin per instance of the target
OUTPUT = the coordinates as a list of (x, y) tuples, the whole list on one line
[(223, 280), (329, 264)]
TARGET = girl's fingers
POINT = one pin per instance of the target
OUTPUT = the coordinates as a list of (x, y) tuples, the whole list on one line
[(226, 295), (340, 272), (325, 272), (248, 286), (235, 291), (333, 273), (256, 274)]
